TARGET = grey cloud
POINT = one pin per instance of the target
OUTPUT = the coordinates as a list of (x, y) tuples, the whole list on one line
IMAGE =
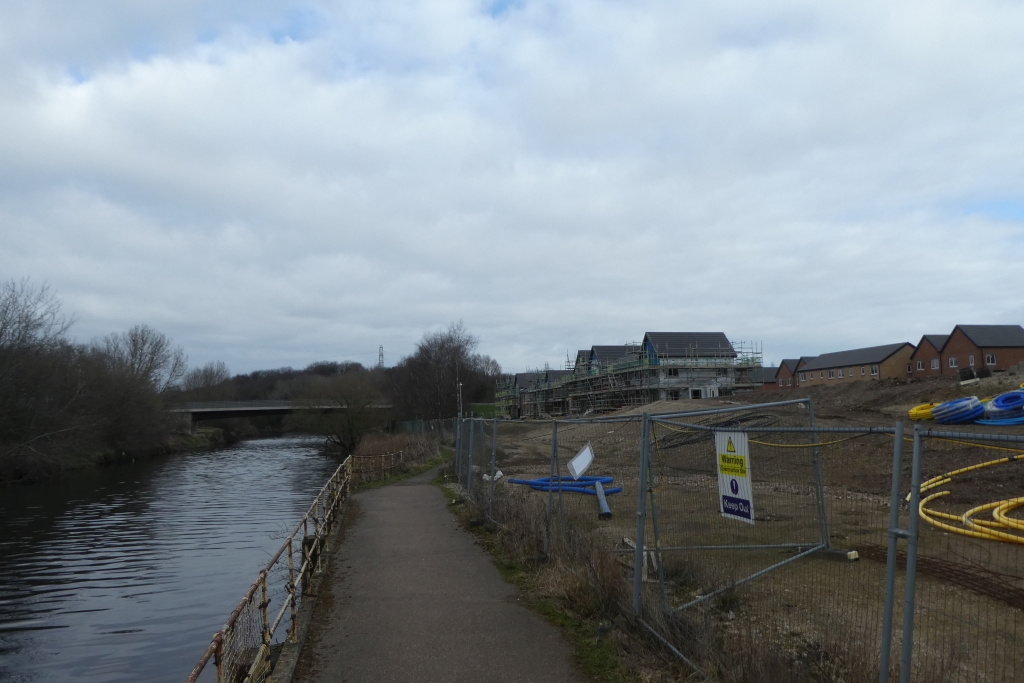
[(561, 175)]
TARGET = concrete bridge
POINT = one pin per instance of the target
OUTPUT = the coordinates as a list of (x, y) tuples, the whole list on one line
[(219, 410)]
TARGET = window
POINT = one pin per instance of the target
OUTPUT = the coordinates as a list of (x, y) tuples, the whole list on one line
[(910, 368), (821, 374), (831, 374), (840, 373), (990, 359), (780, 381), (802, 377), (673, 372), (862, 371), (952, 361), (935, 363), (789, 381), (851, 372), (920, 365), (970, 360), (874, 369)]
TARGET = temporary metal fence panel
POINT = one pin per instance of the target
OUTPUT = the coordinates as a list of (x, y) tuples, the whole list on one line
[(968, 593), (820, 579)]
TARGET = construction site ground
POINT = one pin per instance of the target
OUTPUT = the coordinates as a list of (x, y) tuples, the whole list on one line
[(957, 573)]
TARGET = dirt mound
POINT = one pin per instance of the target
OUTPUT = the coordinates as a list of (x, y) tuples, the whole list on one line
[(860, 403)]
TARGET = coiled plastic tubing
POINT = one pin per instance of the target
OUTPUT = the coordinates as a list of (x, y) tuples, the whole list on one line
[(923, 411), (568, 484), (1005, 409), (961, 410)]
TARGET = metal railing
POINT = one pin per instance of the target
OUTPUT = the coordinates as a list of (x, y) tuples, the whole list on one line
[(833, 568), (241, 649), (369, 467), (227, 405)]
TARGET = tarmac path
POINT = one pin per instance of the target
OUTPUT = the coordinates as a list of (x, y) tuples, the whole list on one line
[(411, 598)]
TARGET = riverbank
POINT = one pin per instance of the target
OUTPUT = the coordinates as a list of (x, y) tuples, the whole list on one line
[(120, 574), (34, 468)]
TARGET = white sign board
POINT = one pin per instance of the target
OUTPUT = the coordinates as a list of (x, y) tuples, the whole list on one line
[(735, 498), (579, 464)]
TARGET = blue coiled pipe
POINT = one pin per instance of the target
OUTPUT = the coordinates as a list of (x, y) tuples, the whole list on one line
[(1002, 422), (1005, 407), (959, 411), (568, 484)]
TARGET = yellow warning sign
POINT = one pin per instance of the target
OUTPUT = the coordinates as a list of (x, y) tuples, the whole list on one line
[(730, 448), (732, 465)]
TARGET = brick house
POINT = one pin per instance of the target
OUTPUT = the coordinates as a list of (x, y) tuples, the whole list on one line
[(874, 362), (927, 358), (768, 377), (784, 378), (978, 346)]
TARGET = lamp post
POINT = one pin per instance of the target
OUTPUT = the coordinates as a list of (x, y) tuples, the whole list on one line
[(460, 399)]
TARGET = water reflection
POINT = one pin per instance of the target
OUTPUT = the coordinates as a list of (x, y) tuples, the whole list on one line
[(122, 574)]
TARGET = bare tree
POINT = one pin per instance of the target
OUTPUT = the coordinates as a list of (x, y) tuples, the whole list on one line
[(426, 384), (206, 377), (143, 353), (30, 316), (354, 405)]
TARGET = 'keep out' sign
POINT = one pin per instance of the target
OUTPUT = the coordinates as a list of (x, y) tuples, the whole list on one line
[(735, 498)]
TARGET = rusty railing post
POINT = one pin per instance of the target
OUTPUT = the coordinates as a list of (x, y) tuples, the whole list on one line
[(218, 656), (293, 590), (264, 604)]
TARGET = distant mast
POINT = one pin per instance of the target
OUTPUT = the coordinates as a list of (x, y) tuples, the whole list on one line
[(380, 357)]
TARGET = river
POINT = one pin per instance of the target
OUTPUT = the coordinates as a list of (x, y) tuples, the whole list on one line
[(123, 573)]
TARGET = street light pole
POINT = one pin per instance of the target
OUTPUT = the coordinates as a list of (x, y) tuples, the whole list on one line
[(460, 399)]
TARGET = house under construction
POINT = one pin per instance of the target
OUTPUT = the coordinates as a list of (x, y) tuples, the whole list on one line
[(664, 366)]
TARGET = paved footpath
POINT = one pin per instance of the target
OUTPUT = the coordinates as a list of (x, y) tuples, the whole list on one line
[(411, 598)]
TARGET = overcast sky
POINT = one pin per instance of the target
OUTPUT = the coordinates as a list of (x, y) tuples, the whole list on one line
[(275, 183)]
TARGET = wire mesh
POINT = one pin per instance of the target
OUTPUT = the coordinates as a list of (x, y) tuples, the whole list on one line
[(969, 601), (781, 589)]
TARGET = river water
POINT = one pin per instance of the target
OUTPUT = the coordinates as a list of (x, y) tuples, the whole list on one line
[(124, 573)]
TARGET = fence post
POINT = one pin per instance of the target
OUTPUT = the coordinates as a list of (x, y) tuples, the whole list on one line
[(890, 558), (494, 455), (551, 494), (826, 536), (558, 473), (641, 516), (469, 459), (264, 604), (907, 646), (218, 657), (654, 517), (294, 591), (457, 425)]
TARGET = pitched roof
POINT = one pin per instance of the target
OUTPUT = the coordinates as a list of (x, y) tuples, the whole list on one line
[(768, 374), (866, 356), (994, 335), (936, 340), (690, 344), (791, 363), (536, 379), (608, 354)]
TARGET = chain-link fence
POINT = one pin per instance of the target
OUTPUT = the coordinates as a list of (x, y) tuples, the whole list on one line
[(756, 544), (968, 559)]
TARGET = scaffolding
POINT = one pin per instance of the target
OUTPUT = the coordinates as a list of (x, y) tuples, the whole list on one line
[(637, 379)]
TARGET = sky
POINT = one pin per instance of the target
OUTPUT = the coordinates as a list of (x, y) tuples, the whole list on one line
[(277, 183)]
